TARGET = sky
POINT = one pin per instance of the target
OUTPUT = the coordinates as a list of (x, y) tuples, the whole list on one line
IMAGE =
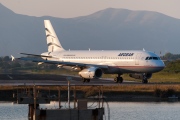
[(75, 8)]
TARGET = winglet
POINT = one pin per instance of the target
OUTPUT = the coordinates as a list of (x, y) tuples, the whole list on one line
[(12, 58)]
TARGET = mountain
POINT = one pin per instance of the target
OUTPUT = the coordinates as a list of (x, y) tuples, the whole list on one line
[(109, 29)]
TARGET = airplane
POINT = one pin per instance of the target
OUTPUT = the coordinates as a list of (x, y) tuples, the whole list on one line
[(92, 64)]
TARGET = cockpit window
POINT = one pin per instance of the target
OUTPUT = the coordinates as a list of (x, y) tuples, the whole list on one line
[(152, 58), (147, 58), (155, 58)]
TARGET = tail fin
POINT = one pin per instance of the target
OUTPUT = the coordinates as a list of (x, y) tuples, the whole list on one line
[(52, 39)]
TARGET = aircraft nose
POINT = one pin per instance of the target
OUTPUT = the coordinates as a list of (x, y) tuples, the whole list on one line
[(159, 65)]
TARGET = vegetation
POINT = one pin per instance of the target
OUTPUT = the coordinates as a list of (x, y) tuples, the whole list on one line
[(172, 67), (160, 91), (170, 56)]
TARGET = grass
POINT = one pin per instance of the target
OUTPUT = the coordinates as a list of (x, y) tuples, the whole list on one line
[(160, 77), (166, 77), (159, 90), (119, 88)]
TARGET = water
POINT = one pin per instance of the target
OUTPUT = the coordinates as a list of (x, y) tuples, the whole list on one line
[(118, 110), (8, 111), (144, 111)]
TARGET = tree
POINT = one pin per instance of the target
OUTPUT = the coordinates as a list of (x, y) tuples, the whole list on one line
[(6, 58), (168, 55)]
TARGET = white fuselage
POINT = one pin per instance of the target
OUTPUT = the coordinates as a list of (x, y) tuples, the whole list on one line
[(128, 61)]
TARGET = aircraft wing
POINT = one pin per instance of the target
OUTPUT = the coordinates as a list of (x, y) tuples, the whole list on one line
[(61, 62)]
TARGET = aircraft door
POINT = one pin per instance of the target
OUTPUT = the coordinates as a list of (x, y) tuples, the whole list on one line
[(103, 59), (137, 58)]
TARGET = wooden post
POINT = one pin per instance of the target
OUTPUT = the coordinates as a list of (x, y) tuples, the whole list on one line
[(59, 97), (75, 97), (102, 97), (31, 110), (69, 94), (34, 102), (99, 97)]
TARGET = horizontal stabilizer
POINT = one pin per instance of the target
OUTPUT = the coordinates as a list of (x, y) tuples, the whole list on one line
[(36, 55)]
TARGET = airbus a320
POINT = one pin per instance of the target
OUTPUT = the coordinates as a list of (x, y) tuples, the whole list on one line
[(139, 64)]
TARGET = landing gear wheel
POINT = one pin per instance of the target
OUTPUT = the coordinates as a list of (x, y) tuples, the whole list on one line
[(145, 81), (120, 79), (85, 80), (116, 80)]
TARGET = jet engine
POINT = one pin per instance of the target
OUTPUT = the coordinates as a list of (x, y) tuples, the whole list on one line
[(140, 75), (91, 72)]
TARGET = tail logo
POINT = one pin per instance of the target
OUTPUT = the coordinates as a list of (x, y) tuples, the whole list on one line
[(47, 30), (51, 43)]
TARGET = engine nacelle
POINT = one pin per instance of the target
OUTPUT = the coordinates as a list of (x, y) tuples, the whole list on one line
[(92, 72), (140, 75)]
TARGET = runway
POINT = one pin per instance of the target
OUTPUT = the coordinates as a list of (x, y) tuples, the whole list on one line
[(27, 79), (61, 80)]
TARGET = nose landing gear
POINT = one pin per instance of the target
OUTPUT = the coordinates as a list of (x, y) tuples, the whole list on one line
[(85, 80), (144, 80)]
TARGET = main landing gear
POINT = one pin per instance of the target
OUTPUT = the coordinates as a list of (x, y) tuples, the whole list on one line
[(85, 80), (118, 79)]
